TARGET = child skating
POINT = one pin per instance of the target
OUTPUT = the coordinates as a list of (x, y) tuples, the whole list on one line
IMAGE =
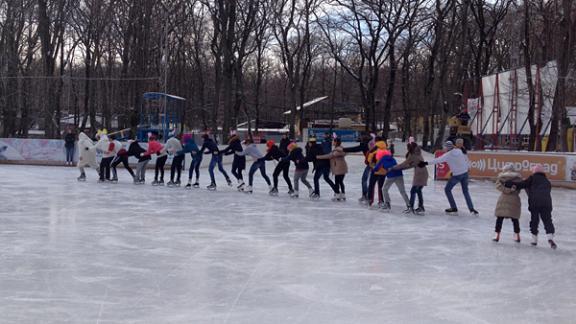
[(420, 179), (339, 168), (508, 204)]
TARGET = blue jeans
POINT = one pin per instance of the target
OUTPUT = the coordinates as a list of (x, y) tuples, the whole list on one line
[(195, 167), (454, 180), (258, 165), (69, 153), (416, 191), (217, 160), (366, 181)]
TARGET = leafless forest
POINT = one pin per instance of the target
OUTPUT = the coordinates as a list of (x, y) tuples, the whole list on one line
[(250, 60)]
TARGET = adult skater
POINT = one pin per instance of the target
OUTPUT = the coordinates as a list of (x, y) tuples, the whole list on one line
[(539, 191), (210, 147), (338, 167), (420, 179), (135, 150), (364, 148), (377, 177), (105, 146), (155, 147), (301, 169), (258, 164), (173, 146), (238, 161), (120, 157), (458, 163), (321, 166), (284, 142), (508, 204), (69, 145), (393, 176), (191, 147), (273, 152), (87, 155)]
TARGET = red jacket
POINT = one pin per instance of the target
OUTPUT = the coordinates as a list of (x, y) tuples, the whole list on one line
[(154, 147)]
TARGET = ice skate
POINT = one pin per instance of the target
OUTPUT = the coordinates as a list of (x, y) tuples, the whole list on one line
[(385, 207), (336, 197), (290, 192), (313, 195), (342, 197), (363, 200), (114, 180), (82, 177), (551, 241), (197, 185), (474, 212), (451, 211), (155, 182), (171, 183), (188, 185), (177, 183), (517, 237), (160, 183), (408, 210), (497, 237), (273, 191), (136, 181), (294, 195), (248, 189), (534, 240), (420, 211), (101, 180), (229, 182), (211, 187)]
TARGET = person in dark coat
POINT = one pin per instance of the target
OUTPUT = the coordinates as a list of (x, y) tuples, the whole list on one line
[(321, 167), (363, 147), (284, 142), (295, 154), (210, 147), (275, 153), (69, 145), (239, 161), (539, 189), (137, 151)]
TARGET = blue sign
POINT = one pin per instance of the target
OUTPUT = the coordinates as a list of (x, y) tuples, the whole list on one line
[(345, 135)]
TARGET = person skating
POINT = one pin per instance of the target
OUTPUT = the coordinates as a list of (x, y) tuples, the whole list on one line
[(173, 146), (420, 179), (259, 164), (273, 152), (155, 147), (321, 166), (135, 150), (121, 157), (539, 191), (210, 147), (363, 147), (508, 204), (238, 161), (301, 169), (393, 176), (458, 163), (338, 167), (284, 142), (105, 146), (87, 155), (377, 177), (191, 147)]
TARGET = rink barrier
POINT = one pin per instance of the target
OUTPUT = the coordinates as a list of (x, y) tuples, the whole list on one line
[(560, 168)]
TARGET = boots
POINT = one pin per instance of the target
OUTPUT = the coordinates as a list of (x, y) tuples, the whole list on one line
[(497, 237), (534, 240), (517, 237), (551, 241)]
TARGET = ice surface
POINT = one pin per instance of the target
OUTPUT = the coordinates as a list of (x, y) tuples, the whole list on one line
[(101, 253)]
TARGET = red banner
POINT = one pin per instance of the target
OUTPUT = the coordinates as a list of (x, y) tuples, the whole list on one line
[(442, 171)]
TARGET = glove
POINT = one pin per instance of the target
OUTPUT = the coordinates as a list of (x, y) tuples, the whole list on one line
[(422, 164)]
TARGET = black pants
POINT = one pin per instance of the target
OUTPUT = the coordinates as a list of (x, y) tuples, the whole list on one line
[(416, 191), (124, 160), (176, 166), (160, 162), (105, 168), (325, 173), (284, 167), (258, 165), (339, 184), (376, 178), (499, 221), (546, 216), (238, 166)]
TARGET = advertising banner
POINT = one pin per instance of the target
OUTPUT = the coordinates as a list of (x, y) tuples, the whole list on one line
[(442, 171), (344, 134)]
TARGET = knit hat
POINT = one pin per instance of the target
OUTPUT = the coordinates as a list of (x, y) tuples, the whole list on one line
[(538, 168), (292, 146), (448, 145), (509, 168)]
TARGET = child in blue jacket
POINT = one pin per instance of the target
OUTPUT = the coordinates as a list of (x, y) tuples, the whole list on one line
[(392, 177)]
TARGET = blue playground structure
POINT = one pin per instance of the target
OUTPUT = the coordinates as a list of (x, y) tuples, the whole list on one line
[(160, 114)]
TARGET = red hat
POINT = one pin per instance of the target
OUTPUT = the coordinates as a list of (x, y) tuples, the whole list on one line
[(270, 143)]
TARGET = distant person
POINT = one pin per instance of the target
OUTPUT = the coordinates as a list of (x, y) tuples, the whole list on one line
[(338, 167), (210, 147), (69, 145), (238, 161)]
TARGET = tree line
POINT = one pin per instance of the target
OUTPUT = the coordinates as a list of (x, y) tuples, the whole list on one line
[(249, 60)]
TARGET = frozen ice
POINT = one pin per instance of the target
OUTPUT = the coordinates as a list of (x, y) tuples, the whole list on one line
[(75, 252)]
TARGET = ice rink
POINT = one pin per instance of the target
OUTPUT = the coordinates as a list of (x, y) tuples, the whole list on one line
[(102, 253)]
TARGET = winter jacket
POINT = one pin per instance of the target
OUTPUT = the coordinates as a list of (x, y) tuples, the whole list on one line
[(191, 147), (371, 157), (313, 152), (420, 174), (456, 160), (174, 146), (508, 204), (284, 142), (337, 159), (252, 151), (539, 190), (210, 147), (234, 146), (327, 145), (274, 153), (155, 147), (106, 147), (298, 158), (86, 150), (69, 140), (388, 162), (137, 151)]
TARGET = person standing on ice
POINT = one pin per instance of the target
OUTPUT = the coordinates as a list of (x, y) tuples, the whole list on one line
[(120, 157), (539, 192), (284, 142), (338, 167), (135, 150), (155, 147), (458, 163), (508, 204), (173, 146), (377, 177), (107, 148), (87, 155), (210, 147), (301, 163), (274, 153), (363, 147), (420, 179), (393, 176), (238, 161), (258, 164), (321, 166), (191, 147)]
